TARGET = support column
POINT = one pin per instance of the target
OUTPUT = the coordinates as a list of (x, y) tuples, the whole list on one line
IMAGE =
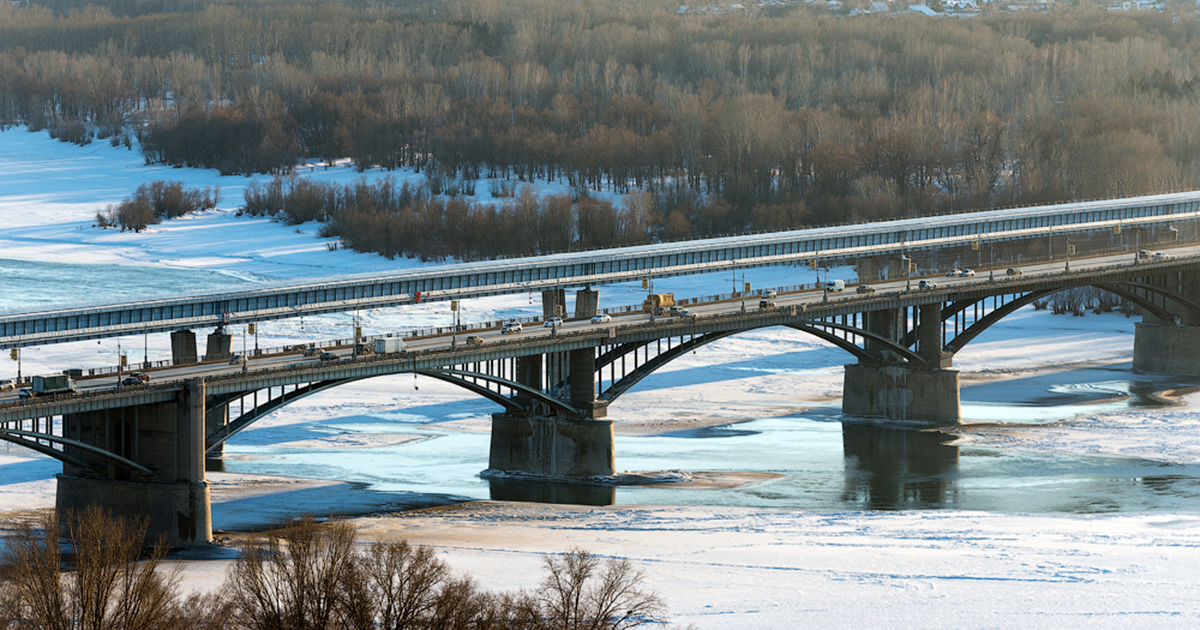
[(929, 336), (900, 393), (583, 383), (167, 438), (183, 347), (219, 348), (587, 303), (888, 323), (551, 299)]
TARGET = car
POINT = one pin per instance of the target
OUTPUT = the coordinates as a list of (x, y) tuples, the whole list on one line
[(953, 273), (131, 380), (966, 273), (927, 285), (683, 312), (312, 352), (236, 359), (1013, 271), (677, 311), (510, 327), (474, 340), (766, 304), (329, 356), (364, 348), (7, 384), (552, 322), (141, 377), (25, 393), (1161, 256), (865, 288), (602, 318), (1144, 254)]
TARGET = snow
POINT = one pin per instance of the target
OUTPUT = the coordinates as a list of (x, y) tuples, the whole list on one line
[(717, 567)]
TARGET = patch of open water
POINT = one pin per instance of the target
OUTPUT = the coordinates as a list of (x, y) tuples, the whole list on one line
[(826, 461)]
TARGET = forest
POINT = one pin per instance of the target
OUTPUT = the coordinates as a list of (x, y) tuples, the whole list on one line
[(764, 119)]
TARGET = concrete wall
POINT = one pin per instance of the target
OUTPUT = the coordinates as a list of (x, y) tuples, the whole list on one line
[(1167, 348), (901, 394), (552, 447)]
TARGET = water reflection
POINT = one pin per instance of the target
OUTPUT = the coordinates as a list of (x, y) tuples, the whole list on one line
[(890, 468), (531, 491)]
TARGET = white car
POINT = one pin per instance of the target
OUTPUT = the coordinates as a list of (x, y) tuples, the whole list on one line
[(602, 318), (966, 273), (953, 273), (1161, 256), (552, 322), (927, 285), (510, 327)]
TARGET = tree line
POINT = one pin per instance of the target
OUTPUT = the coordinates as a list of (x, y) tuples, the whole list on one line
[(304, 576), (786, 115)]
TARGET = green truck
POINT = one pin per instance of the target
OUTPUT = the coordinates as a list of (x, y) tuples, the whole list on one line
[(53, 384)]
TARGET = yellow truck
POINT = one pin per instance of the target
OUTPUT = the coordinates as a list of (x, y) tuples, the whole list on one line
[(656, 301)]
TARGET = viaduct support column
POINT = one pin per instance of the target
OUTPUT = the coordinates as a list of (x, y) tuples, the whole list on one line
[(183, 347), (168, 439), (553, 446), (220, 345), (899, 391)]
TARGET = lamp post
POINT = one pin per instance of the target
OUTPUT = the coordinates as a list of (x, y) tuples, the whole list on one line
[(907, 262), (1067, 269)]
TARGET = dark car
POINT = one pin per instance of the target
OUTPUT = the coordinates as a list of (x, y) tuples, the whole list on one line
[(329, 356), (865, 288), (312, 352), (131, 380)]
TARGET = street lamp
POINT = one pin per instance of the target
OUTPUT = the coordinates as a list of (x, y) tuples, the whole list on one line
[(907, 262), (1068, 267)]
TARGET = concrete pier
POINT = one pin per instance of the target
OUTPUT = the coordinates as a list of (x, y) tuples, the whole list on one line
[(552, 447), (1166, 348), (900, 393)]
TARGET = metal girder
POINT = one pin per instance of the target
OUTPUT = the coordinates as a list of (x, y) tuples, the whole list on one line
[(996, 315), (1150, 288), (903, 351), (246, 419), (459, 377), (623, 384), (1139, 300), (28, 439)]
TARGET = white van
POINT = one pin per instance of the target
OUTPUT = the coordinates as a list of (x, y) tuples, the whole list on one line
[(835, 285)]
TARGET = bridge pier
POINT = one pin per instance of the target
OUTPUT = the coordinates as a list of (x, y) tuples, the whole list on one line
[(552, 447), (165, 438), (901, 393), (1166, 348)]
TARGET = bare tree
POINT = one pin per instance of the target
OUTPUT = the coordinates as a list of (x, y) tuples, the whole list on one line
[(580, 594), (295, 579), (107, 584)]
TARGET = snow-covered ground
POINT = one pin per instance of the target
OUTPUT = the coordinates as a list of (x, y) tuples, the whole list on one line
[(717, 567)]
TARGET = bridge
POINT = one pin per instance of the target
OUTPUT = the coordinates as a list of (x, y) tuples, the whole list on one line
[(141, 449), (1040, 232)]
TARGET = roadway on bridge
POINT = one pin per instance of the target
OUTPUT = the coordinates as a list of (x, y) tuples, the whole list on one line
[(751, 302)]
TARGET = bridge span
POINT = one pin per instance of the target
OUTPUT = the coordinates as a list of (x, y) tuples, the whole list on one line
[(877, 249), (141, 449)]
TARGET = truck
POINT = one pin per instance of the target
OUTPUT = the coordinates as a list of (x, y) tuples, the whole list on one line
[(53, 384), (658, 300), (389, 345), (834, 286)]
